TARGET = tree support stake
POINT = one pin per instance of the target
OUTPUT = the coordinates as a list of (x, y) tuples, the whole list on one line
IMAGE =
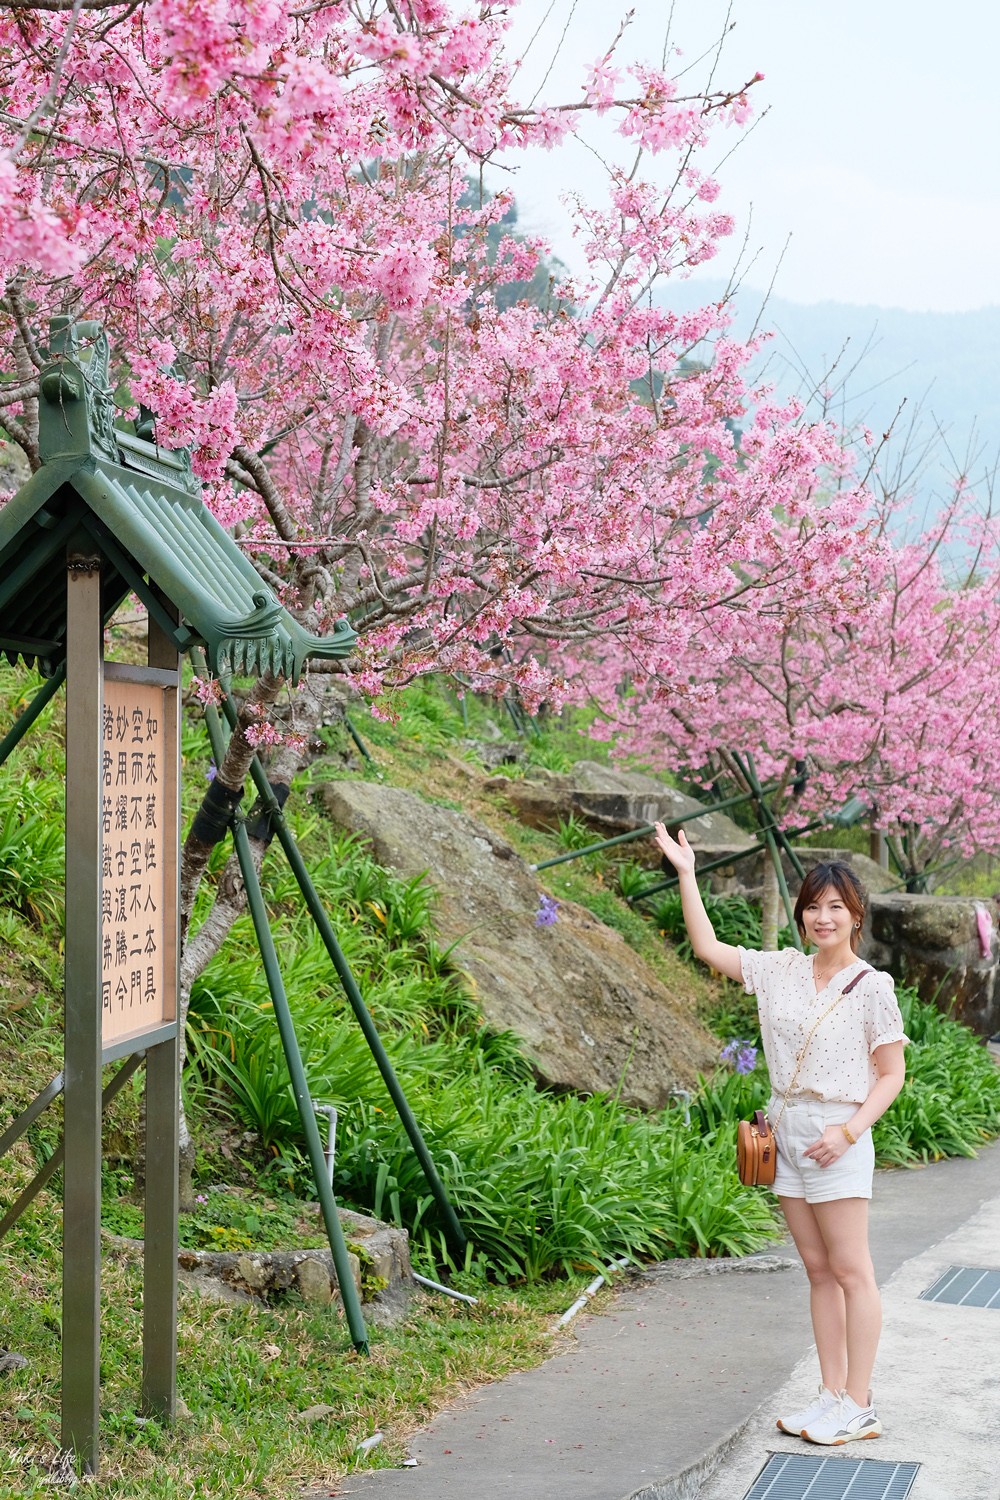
[(24, 721), (324, 927), (293, 1057)]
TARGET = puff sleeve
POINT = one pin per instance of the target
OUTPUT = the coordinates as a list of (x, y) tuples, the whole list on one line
[(883, 1021)]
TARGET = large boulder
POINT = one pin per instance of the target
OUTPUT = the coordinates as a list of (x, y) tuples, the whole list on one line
[(872, 876), (745, 876), (932, 942), (616, 801), (588, 1009)]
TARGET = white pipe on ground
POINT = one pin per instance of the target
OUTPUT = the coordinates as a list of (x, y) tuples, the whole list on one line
[(435, 1286), (589, 1292)]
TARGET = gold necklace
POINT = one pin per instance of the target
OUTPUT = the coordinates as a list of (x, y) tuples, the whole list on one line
[(824, 976)]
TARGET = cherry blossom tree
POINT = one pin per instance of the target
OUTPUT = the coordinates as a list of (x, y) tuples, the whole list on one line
[(269, 207), (884, 695)]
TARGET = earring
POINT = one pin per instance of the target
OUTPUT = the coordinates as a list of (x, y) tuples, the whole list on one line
[(856, 926)]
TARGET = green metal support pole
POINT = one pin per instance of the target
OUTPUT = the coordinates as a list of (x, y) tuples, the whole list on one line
[(714, 864), (289, 1042), (779, 833), (768, 828), (325, 928), (24, 721), (355, 736), (643, 832)]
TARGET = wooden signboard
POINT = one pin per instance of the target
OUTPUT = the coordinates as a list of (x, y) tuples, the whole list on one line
[(139, 841)]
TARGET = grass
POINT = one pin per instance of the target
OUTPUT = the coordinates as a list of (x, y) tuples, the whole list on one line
[(246, 1374)]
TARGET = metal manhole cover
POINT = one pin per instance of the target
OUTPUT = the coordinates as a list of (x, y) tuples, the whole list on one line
[(795, 1476), (966, 1286)]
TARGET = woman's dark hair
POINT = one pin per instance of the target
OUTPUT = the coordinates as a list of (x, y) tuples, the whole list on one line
[(839, 876)]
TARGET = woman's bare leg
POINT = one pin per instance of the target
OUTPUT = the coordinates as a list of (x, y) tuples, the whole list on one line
[(843, 1225), (826, 1297)]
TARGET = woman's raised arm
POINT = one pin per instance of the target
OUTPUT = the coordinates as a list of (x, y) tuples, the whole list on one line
[(721, 956)]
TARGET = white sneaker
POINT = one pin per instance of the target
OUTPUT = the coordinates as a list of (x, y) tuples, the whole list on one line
[(844, 1422), (812, 1413)]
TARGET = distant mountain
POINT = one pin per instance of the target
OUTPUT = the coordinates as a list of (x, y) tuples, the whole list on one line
[(946, 365)]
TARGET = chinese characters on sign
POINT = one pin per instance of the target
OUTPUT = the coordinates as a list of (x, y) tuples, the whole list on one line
[(133, 836)]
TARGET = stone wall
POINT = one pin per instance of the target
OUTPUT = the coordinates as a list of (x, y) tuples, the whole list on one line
[(932, 942)]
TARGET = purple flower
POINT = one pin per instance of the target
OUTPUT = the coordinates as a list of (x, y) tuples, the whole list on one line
[(548, 911), (211, 772), (741, 1055)]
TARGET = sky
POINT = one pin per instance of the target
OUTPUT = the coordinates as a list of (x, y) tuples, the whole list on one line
[(873, 172)]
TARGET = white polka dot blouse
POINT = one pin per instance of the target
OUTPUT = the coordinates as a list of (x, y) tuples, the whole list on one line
[(838, 1065)]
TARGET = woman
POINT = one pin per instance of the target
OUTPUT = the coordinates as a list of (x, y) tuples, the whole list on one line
[(850, 1071)]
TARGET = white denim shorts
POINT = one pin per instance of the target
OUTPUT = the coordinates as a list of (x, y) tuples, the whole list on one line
[(797, 1175)]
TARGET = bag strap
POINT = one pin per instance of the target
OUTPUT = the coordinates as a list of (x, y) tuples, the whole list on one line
[(812, 1031)]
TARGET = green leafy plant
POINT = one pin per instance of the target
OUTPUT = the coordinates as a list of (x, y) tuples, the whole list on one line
[(735, 919), (632, 879), (950, 1102), (31, 847), (573, 833)]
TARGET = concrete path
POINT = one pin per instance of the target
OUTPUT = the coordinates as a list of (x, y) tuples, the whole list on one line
[(671, 1394)]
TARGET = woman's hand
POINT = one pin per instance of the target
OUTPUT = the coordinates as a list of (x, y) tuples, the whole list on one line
[(829, 1148), (678, 851)]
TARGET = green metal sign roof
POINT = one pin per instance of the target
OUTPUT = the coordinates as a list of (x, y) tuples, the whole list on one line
[(141, 505)]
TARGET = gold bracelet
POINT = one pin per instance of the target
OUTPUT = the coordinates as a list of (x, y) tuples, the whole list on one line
[(850, 1138)]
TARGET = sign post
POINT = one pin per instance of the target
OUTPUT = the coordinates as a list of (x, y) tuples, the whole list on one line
[(109, 513), (122, 758), (82, 1069)]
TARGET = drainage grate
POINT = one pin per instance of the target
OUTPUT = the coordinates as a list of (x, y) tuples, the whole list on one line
[(967, 1286), (788, 1476)]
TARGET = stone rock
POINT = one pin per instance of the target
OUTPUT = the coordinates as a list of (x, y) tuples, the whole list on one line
[(615, 801), (586, 1006), (253, 1271), (496, 753), (872, 876), (266, 1273), (317, 1413), (384, 1281), (9, 1362), (312, 1278), (932, 942), (386, 1249)]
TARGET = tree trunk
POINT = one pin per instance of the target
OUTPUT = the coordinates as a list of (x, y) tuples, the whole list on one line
[(771, 910), (303, 715)]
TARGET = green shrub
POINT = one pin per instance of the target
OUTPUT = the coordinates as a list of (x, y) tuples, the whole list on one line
[(950, 1102), (735, 920), (574, 833), (542, 1184), (31, 846), (632, 879)]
